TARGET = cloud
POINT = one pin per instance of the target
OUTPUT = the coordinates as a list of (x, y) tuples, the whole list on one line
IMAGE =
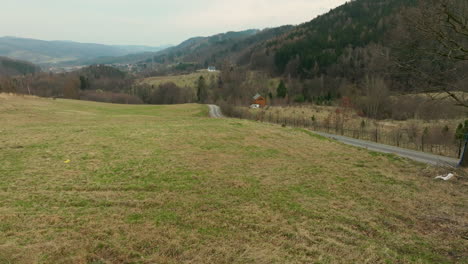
[(264, 13)]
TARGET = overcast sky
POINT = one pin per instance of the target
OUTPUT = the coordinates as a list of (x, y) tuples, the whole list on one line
[(149, 22)]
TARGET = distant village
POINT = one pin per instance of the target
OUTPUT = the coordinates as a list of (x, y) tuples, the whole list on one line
[(131, 68), (125, 67)]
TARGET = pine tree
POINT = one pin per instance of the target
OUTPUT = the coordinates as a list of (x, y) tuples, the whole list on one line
[(84, 83), (281, 91), (201, 90)]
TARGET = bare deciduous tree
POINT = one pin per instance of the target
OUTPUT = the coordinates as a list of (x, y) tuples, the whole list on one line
[(436, 49), (376, 96)]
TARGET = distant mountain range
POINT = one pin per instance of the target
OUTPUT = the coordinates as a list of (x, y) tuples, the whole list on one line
[(64, 52)]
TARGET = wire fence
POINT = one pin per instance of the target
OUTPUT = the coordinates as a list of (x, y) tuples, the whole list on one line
[(434, 140)]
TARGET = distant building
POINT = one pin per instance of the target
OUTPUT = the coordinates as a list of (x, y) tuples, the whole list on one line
[(260, 100), (212, 69)]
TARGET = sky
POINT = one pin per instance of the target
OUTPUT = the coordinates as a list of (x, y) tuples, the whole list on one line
[(149, 22)]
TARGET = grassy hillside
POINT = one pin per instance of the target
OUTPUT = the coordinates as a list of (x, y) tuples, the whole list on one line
[(190, 80), (84, 182), (186, 80)]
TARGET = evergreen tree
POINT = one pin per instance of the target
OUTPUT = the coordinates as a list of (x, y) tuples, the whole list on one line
[(84, 83), (201, 90), (462, 130), (281, 91)]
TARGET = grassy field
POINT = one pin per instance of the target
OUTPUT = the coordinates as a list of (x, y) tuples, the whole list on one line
[(187, 80), (190, 80), (84, 182)]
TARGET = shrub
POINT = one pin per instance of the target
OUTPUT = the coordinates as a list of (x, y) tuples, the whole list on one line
[(299, 98)]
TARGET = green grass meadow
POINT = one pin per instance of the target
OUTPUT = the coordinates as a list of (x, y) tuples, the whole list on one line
[(85, 182)]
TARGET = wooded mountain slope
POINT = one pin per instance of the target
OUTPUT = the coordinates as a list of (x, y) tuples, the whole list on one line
[(318, 43), (10, 67)]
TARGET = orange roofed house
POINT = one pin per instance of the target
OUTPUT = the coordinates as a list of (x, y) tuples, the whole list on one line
[(260, 100)]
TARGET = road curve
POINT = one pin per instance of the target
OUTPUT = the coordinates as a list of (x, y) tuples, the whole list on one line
[(411, 154), (215, 111)]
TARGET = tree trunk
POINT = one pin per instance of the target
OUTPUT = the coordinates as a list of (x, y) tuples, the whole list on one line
[(464, 157)]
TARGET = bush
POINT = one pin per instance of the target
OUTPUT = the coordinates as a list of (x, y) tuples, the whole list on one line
[(170, 93), (299, 98), (236, 112), (415, 106)]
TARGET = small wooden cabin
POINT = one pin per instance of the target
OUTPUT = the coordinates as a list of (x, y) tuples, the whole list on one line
[(260, 100)]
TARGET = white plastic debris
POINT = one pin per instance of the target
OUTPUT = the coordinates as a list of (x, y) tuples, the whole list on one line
[(446, 177)]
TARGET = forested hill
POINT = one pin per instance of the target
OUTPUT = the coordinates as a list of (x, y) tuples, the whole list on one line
[(323, 40), (294, 50), (194, 52), (213, 50), (10, 67)]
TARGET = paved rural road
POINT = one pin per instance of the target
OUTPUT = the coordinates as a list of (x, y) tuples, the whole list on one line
[(411, 154), (424, 157), (215, 111)]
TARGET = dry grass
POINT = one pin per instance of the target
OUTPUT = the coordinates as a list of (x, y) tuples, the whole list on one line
[(187, 80), (323, 112), (191, 80), (164, 184)]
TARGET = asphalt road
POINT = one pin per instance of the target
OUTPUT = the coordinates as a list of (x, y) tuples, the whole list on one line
[(411, 154), (215, 111)]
